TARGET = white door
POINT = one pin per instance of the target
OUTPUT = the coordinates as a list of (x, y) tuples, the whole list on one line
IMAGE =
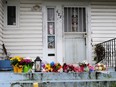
[(74, 34)]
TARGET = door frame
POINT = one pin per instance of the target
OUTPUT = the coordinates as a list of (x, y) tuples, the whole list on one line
[(60, 33)]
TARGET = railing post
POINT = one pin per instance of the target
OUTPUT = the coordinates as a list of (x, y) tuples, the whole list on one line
[(115, 53)]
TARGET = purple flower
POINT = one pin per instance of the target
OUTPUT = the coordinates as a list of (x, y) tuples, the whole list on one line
[(26, 62)]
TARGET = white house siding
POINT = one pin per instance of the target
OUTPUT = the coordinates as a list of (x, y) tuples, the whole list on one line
[(26, 39), (103, 21), (1, 24)]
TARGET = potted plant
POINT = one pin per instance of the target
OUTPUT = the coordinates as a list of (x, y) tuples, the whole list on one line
[(5, 62), (27, 64), (15, 62)]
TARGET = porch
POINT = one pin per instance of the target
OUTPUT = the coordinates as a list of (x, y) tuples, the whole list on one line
[(28, 36), (106, 79)]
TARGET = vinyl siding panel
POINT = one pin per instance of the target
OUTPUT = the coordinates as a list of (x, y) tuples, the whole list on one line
[(1, 25), (26, 39), (103, 21)]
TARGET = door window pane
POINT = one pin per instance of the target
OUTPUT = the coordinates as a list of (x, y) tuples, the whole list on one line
[(51, 41), (50, 14), (74, 19), (51, 29)]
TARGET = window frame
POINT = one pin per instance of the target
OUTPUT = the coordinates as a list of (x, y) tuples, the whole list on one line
[(51, 50), (54, 26), (16, 4), (80, 22)]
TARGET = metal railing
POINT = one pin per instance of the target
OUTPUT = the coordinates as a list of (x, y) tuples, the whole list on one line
[(108, 53)]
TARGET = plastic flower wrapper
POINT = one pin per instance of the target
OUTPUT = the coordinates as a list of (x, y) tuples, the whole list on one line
[(48, 68), (86, 69), (77, 69), (43, 66), (65, 67), (56, 67), (100, 67), (71, 68), (91, 68), (52, 64), (84, 64), (51, 67)]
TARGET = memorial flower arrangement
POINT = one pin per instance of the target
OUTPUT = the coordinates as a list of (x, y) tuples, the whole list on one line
[(51, 67), (86, 67), (70, 68), (82, 67), (15, 61), (26, 62), (21, 64), (57, 67), (100, 67)]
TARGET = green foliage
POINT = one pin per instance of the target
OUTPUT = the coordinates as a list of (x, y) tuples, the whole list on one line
[(100, 52), (113, 84), (14, 62)]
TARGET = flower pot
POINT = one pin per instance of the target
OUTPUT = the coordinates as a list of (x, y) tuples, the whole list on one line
[(15, 69), (20, 69), (5, 65), (26, 68)]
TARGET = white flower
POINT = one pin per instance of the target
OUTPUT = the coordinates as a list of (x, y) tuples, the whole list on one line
[(85, 62)]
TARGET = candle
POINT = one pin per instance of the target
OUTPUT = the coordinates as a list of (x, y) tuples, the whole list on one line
[(35, 84)]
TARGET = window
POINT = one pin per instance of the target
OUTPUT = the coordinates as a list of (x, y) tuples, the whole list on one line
[(74, 19), (11, 15)]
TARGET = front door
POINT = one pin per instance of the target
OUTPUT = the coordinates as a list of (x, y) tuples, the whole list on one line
[(74, 34)]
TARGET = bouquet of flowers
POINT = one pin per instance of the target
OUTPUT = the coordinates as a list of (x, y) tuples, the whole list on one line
[(51, 67), (21, 64), (26, 62), (71, 68), (83, 67), (15, 61), (86, 67), (100, 67)]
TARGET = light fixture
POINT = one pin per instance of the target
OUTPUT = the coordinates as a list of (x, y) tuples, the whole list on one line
[(36, 8)]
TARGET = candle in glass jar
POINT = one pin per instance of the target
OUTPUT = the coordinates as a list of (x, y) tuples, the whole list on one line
[(35, 84)]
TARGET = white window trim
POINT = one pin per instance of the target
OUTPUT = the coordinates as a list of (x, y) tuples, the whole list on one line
[(12, 3), (46, 50)]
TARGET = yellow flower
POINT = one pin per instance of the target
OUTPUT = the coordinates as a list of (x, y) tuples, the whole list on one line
[(48, 67), (16, 60)]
